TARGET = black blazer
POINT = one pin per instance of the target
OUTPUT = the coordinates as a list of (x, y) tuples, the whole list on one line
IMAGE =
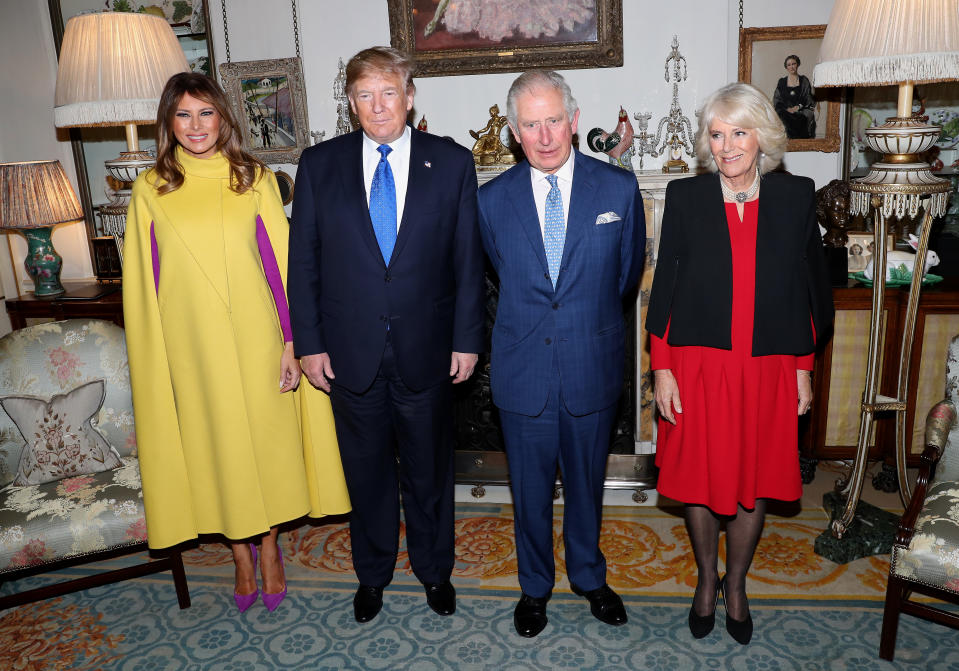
[(342, 294), (692, 286)]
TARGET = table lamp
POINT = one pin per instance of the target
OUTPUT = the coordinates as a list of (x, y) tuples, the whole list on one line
[(35, 196), (113, 67), (903, 43)]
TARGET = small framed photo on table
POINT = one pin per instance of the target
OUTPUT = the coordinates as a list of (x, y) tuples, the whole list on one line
[(860, 247)]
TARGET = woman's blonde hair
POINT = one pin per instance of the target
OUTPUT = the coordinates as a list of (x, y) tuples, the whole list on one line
[(745, 106), (244, 168)]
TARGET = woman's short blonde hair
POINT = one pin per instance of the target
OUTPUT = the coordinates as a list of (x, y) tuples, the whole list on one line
[(745, 106)]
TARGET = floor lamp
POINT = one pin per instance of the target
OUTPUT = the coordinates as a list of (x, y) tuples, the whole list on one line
[(891, 42), (113, 66)]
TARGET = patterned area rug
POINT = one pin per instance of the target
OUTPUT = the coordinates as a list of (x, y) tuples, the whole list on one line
[(809, 613)]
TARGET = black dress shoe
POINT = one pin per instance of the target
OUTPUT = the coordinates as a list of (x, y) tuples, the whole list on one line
[(441, 597), (604, 604), (367, 602), (701, 625), (529, 618), (741, 630)]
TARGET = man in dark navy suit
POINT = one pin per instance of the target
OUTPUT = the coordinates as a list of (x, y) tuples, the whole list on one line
[(565, 234), (386, 299)]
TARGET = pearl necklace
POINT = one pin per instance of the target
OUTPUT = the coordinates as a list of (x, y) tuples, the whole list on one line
[(740, 196)]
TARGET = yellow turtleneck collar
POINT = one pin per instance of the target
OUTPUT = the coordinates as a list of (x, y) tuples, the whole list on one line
[(217, 166)]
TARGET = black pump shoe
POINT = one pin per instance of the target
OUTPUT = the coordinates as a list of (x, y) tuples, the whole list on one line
[(740, 630), (701, 625)]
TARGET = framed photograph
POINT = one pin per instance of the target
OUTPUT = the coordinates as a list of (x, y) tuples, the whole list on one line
[(269, 101), (766, 56), (860, 247), (466, 37)]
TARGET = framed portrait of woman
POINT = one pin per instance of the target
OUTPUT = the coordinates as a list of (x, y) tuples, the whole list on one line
[(779, 62)]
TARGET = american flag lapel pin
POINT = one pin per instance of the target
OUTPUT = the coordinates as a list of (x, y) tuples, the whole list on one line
[(427, 164)]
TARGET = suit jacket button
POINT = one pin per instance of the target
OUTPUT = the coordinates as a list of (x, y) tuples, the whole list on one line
[(556, 306), (546, 275), (388, 278), (549, 341)]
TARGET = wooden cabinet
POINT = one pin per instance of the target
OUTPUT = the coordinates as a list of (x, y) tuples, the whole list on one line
[(832, 428)]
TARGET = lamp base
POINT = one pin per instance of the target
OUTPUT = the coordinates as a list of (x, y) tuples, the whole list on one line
[(42, 263)]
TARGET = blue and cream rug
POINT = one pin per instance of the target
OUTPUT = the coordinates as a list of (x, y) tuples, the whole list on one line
[(809, 613)]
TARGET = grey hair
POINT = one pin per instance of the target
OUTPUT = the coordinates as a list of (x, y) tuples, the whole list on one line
[(537, 79), (745, 106)]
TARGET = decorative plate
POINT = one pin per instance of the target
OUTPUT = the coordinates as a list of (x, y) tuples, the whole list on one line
[(928, 279)]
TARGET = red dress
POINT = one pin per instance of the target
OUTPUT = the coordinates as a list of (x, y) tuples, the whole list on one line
[(736, 439)]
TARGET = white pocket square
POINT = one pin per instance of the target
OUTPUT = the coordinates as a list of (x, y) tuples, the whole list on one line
[(607, 217)]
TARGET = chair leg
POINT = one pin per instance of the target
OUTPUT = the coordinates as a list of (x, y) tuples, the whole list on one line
[(179, 580), (895, 592)]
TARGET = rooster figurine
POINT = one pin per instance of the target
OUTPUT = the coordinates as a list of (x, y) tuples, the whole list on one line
[(618, 145)]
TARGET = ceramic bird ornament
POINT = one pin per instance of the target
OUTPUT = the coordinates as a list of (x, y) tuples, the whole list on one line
[(616, 143)]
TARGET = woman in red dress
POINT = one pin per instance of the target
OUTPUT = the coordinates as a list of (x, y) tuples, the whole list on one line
[(739, 298)]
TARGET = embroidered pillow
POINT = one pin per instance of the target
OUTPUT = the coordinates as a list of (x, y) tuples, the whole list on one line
[(61, 440)]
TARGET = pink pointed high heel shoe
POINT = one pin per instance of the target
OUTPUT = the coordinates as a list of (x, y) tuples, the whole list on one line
[(271, 601), (244, 601)]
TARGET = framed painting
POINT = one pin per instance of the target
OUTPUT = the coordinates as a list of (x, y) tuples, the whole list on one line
[(769, 58), (465, 37), (269, 101)]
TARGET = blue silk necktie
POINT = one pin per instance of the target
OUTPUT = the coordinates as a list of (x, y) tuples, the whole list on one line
[(383, 204), (554, 229)]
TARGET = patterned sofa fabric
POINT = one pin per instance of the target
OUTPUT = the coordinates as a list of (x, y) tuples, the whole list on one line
[(75, 516), (49, 359)]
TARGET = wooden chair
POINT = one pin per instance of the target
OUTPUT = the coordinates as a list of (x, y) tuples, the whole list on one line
[(925, 554)]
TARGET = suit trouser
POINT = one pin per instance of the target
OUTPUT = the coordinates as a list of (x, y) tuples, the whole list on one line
[(374, 428), (534, 448)]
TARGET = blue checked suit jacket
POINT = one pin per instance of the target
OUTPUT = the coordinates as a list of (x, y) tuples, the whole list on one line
[(582, 321)]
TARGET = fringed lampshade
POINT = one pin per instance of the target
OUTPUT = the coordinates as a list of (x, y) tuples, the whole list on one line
[(35, 196), (113, 67)]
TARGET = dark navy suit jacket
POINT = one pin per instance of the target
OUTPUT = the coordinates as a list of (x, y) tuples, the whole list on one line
[(582, 320), (343, 295)]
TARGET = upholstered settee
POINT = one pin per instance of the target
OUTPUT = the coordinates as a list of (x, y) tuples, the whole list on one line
[(925, 554), (69, 477)]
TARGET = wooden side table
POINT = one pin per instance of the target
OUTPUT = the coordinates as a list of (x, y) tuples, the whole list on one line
[(108, 306)]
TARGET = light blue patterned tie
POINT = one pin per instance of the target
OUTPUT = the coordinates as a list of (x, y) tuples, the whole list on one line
[(554, 229), (383, 204)]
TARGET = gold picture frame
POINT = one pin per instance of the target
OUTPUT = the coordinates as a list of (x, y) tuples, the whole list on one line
[(761, 55), (423, 29), (269, 100)]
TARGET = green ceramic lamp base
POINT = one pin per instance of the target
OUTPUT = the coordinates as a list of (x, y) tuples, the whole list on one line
[(43, 264)]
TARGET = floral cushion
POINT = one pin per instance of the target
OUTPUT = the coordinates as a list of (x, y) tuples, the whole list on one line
[(71, 517), (60, 440), (933, 554), (49, 359)]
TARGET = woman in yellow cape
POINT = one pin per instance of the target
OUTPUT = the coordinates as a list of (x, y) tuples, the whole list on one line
[(225, 444)]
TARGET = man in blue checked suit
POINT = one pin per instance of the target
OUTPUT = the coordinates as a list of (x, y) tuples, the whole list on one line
[(565, 233), (386, 301)]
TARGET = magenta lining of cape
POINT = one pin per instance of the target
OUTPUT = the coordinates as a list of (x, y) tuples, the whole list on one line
[(270, 269)]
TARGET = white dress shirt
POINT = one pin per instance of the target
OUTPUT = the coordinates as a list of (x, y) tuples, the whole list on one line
[(399, 160), (541, 188)]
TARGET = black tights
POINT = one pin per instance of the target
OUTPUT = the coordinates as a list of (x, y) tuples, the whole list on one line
[(742, 535)]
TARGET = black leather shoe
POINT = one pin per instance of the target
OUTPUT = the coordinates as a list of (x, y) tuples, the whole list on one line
[(367, 602), (604, 604), (701, 625), (441, 597), (741, 630), (529, 618)]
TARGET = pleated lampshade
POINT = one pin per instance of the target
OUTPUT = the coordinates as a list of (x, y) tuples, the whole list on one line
[(113, 66), (35, 194), (877, 42)]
